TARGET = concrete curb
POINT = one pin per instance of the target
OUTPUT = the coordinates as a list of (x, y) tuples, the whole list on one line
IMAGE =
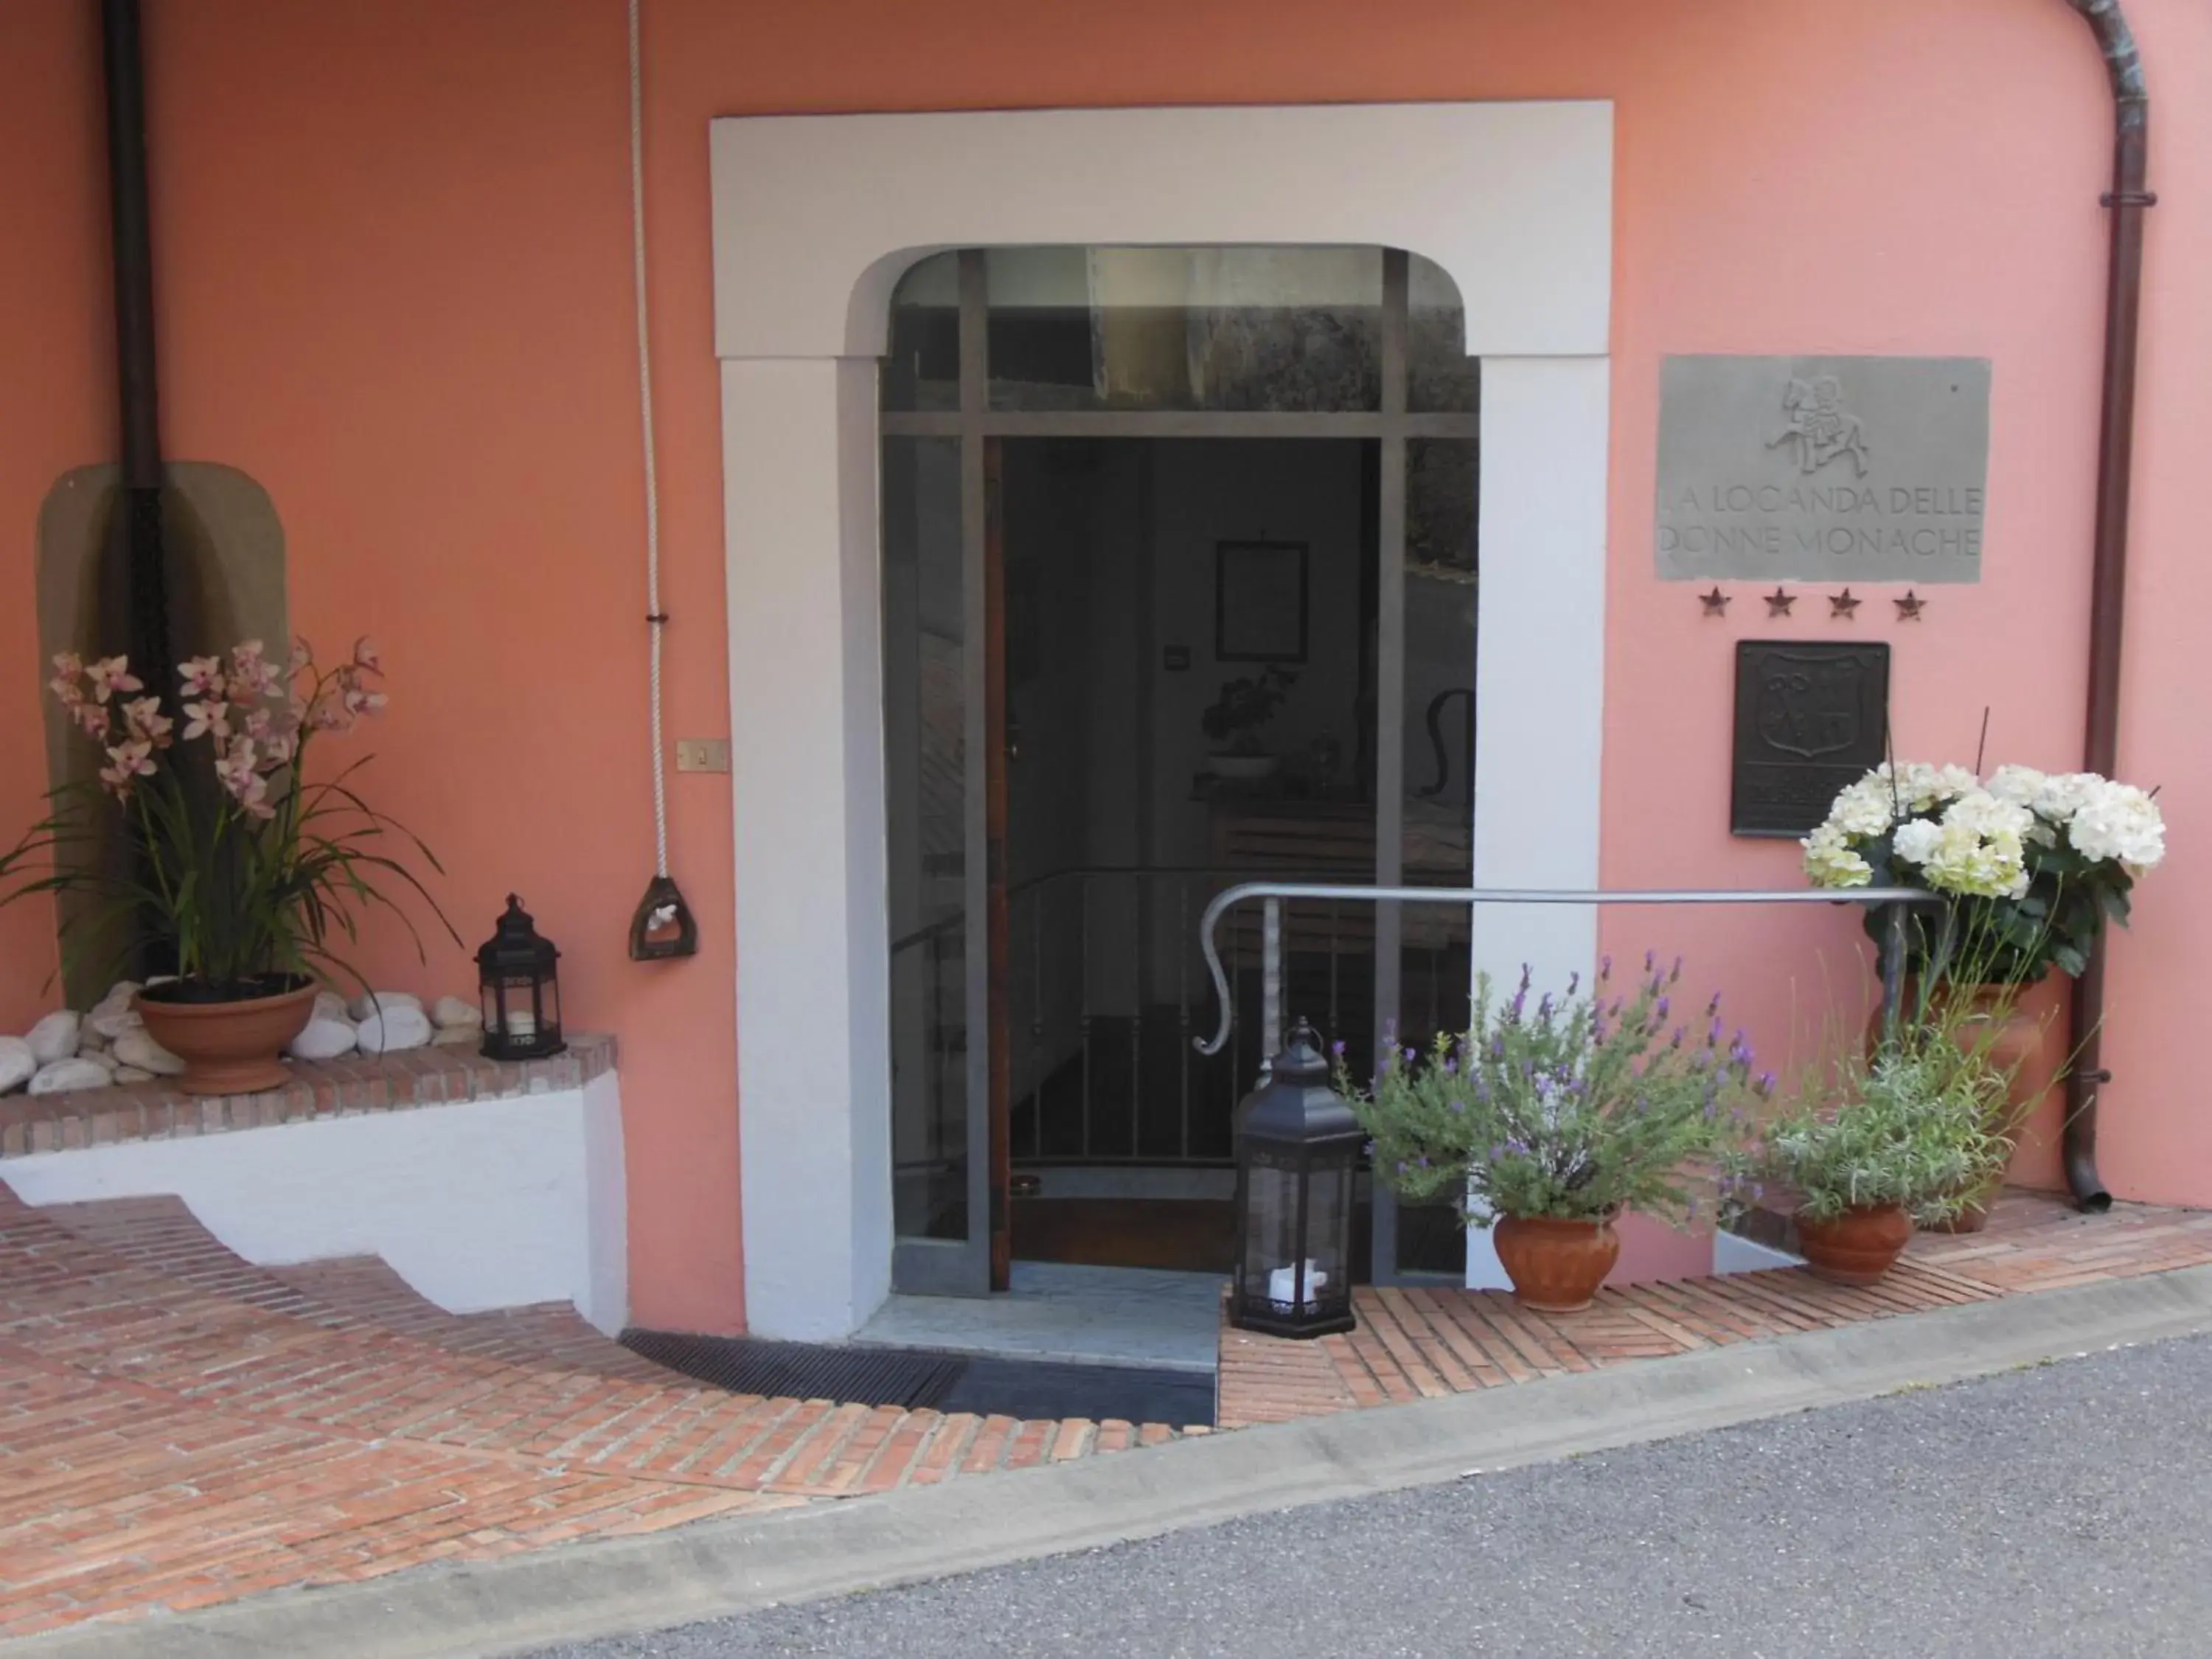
[(717, 1568)]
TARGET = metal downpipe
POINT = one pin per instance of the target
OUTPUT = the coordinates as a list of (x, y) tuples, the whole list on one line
[(138, 402), (2127, 201)]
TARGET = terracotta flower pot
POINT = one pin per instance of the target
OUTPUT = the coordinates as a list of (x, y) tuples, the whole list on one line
[(1857, 1247), (1556, 1266), (228, 1048), (2029, 1043)]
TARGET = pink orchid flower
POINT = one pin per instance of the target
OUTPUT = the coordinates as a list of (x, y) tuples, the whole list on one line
[(254, 797), (202, 718), (251, 676), (201, 676), (69, 669), (366, 656), (113, 674), (236, 768), (132, 759), (145, 719), (91, 718)]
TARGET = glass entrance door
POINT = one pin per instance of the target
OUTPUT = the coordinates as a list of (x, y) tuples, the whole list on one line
[(1372, 777)]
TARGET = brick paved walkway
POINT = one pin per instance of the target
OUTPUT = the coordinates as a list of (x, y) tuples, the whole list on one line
[(1421, 1344), (178, 1428)]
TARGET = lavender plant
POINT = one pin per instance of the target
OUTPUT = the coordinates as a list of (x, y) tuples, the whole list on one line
[(1919, 1124), (1574, 1109)]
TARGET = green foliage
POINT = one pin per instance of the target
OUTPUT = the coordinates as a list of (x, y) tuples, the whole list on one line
[(1244, 706), (1923, 1122), (2008, 941), (1574, 1109), (254, 872)]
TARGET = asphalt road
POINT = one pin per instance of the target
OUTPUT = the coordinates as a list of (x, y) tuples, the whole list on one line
[(2061, 1511)]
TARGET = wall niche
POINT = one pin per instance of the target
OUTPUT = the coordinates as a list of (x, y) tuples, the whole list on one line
[(223, 558)]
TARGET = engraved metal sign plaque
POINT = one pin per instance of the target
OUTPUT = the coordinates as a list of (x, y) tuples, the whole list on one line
[(1810, 718), (1822, 469)]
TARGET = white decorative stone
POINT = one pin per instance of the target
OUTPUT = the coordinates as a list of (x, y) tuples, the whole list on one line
[(455, 1013), (132, 1074), (453, 1036), (382, 1001), (137, 1049), (103, 1059), (395, 1028), (65, 1075), (111, 1020), (17, 1063), (54, 1038), (119, 993), (322, 1039), (329, 1005), (89, 1042)]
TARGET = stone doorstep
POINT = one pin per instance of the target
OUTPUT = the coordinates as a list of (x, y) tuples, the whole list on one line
[(320, 1088)]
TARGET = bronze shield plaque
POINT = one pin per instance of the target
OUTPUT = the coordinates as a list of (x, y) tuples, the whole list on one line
[(1809, 720)]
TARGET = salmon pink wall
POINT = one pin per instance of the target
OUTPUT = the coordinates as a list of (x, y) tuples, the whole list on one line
[(392, 246)]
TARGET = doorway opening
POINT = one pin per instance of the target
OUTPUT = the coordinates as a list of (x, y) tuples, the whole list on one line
[(1180, 587)]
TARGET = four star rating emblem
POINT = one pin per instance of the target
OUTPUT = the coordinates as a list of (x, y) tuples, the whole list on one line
[(1842, 607)]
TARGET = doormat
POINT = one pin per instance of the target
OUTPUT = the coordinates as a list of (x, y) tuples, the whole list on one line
[(803, 1370), (919, 1379)]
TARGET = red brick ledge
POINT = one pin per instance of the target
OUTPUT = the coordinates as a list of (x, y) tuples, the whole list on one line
[(335, 1088)]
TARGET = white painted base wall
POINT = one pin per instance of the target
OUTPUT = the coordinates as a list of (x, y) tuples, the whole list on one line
[(479, 1205), (1732, 1253)]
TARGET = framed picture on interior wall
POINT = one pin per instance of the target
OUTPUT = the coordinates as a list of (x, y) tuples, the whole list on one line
[(1260, 601)]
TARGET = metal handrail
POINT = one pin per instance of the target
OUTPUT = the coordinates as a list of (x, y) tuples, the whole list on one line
[(958, 918), (1898, 900)]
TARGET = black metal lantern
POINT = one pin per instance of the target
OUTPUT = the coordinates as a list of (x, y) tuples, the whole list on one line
[(521, 991), (1297, 1148)]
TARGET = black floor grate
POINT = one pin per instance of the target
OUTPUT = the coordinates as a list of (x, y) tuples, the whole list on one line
[(801, 1371)]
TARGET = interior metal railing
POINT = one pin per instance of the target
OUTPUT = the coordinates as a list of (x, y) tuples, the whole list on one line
[(1106, 985)]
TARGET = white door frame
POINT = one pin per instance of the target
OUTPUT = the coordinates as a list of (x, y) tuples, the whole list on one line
[(814, 218)]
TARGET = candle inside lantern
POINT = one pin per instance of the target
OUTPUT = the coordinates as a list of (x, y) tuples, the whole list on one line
[(1282, 1285)]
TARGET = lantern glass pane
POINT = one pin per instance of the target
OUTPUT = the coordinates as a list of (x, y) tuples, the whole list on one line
[(549, 1005), (519, 1007), (1271, 1251), (1329, 1225)]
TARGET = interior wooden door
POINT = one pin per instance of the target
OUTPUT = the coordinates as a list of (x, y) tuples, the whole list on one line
[(997, 932)]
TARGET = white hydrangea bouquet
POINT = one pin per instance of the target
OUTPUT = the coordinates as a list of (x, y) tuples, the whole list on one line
[(2037, 861)]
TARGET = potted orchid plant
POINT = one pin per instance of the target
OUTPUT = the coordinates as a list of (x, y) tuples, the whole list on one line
[(252, 871), (1234, 719)]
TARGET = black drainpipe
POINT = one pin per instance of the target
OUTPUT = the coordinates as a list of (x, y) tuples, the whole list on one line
[(2127, 200), (132, 257), (137, 524)]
